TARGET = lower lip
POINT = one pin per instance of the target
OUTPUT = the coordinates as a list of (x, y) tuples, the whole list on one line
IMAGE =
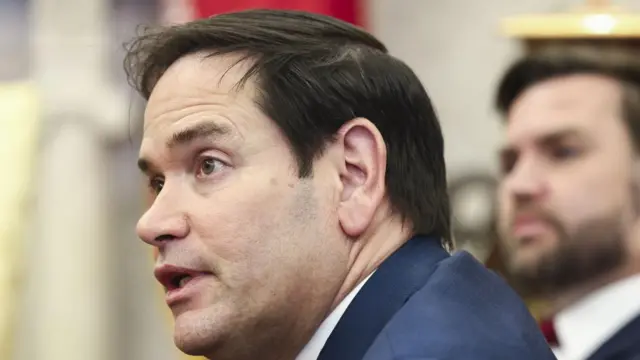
[(188, 290), (530, 229)]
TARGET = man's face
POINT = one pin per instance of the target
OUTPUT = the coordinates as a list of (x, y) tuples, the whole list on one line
[(263, 247), (565, 198)]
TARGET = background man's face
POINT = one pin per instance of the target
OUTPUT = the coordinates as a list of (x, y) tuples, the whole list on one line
[(227, 201), (565, 199)]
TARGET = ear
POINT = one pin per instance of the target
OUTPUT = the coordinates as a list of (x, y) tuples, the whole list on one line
[(362, 175)]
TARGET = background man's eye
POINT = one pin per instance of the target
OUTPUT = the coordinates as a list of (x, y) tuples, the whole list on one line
[(507, 165), (507, 162), (565, 152)]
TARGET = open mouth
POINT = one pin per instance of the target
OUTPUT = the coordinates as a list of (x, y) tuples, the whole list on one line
[(174, 278), (179, 281)]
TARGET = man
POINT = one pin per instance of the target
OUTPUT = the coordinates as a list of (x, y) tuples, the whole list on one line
[(569, 196), (300, 207)]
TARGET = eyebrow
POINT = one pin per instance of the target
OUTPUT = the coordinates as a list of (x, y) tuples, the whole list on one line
[(198, 131), (560, 135), (544, 140), (186, 136)]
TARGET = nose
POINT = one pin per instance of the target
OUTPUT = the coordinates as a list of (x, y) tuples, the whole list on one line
[(162, 222), (527, 183)]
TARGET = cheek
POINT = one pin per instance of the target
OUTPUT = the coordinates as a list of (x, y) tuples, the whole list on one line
[(230, 222), (590, 196), (504, 210), (246, 229)]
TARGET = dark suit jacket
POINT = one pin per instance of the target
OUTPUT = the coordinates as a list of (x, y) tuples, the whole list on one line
[(424, 304), (624, 345)]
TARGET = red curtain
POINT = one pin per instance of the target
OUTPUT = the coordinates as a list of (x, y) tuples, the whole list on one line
[(347, 10)]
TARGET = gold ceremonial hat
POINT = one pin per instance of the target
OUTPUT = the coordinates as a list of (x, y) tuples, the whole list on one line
[(597, 19)]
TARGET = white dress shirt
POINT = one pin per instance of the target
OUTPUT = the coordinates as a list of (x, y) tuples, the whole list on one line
[(311, 351), (585, 326)]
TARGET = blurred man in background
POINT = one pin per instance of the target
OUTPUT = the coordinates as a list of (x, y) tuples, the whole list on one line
[(570, 195), (300, 208)]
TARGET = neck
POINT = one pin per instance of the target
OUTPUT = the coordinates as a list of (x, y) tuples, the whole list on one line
[(370, 250), (262, 355), (286, 345), (561, 300)]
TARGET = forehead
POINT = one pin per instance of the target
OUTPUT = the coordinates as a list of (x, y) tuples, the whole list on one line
[(200, 89), (196, 80), (589, 104)]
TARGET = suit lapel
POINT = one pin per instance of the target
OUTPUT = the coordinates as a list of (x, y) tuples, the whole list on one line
[(397, 278), (624, 345)]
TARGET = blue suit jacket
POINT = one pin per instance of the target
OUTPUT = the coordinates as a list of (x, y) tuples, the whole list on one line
[(424, 304), (624, 345)]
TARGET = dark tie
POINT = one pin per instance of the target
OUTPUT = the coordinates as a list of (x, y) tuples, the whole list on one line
[(549, 332)]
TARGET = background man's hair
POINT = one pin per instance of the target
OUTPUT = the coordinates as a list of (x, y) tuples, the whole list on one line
[(315, 73), (562, 60)]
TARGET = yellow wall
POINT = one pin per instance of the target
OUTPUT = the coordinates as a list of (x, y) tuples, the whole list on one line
[(18, 145)]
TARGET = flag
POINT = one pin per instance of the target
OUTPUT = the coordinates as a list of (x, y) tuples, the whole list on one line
[(346, 10)]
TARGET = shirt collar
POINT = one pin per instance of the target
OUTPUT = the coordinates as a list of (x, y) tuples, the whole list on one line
[(585, 326), (312, 350)]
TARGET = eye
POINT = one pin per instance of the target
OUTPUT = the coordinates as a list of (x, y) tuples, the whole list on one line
[(508, 162), (565, 152), (156, 184), (507, 166), (209, 165)]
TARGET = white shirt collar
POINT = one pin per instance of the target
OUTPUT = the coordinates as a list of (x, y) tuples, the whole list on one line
[(311, 351), (585, 326)]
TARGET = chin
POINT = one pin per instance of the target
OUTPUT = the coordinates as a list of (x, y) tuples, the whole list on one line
[(197, 332), (528, 258), (528, 261)]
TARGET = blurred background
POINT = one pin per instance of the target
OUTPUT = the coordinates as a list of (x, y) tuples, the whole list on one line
[(75, 283)]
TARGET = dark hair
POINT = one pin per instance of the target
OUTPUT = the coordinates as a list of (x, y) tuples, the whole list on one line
[(564, 60), (315, 73)]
